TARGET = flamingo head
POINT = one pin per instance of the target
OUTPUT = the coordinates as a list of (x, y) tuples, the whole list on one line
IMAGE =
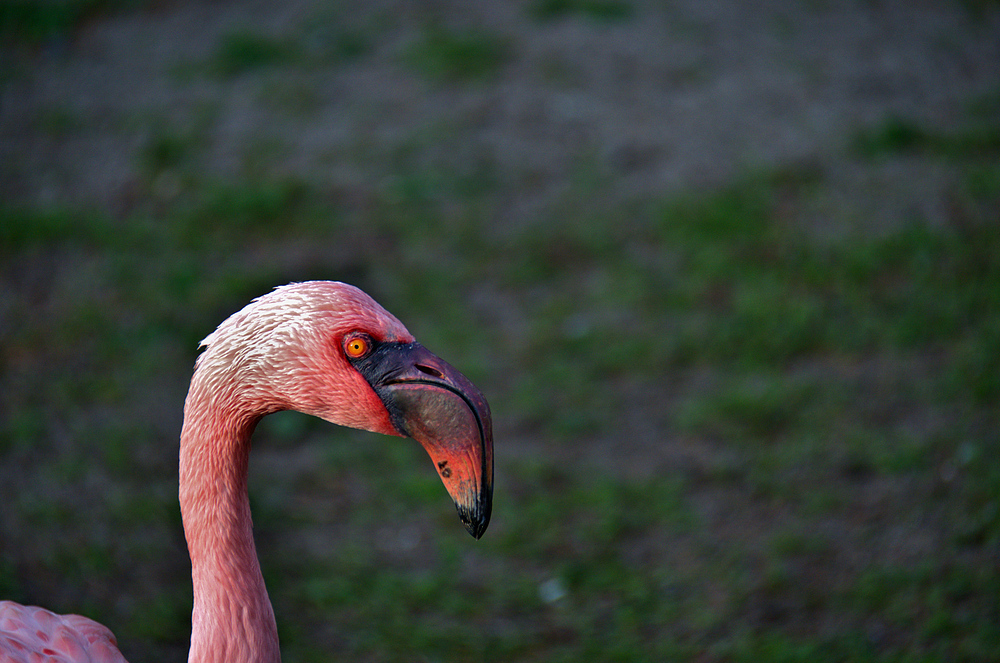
[(328, 349)]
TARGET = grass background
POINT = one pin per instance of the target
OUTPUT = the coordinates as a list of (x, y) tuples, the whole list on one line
[(724, 431)]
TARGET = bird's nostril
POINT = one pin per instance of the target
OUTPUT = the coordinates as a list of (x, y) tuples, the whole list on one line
[(430, 371)]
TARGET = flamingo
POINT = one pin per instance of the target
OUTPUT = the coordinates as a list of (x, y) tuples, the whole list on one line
[(320, 347)]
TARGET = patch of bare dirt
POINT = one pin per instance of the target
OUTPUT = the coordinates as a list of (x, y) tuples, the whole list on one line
[(680, 93)]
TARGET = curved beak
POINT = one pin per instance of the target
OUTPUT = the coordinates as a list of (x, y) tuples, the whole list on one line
[(433, 403)]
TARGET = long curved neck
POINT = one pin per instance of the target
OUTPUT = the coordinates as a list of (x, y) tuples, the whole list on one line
[(232, 618)]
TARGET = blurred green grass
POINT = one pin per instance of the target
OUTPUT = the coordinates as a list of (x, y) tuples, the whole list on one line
[(597, 10), (720, 436), (32, 22), (451, 56)]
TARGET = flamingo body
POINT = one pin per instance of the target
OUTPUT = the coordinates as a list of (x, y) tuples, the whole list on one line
[(29, 633), (322, 348)]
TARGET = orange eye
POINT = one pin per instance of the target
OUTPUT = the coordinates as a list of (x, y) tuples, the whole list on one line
[(356, 346)]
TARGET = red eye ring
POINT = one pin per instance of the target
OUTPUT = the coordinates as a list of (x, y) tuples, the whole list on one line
[(357, 346)]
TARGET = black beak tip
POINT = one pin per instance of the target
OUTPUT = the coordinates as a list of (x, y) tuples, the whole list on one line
[(477, 519)]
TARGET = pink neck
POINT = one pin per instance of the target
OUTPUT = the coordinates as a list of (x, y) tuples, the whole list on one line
[(232, 618)]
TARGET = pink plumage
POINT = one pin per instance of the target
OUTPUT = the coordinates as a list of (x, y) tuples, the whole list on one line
[(36, 635), (285, 350)]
